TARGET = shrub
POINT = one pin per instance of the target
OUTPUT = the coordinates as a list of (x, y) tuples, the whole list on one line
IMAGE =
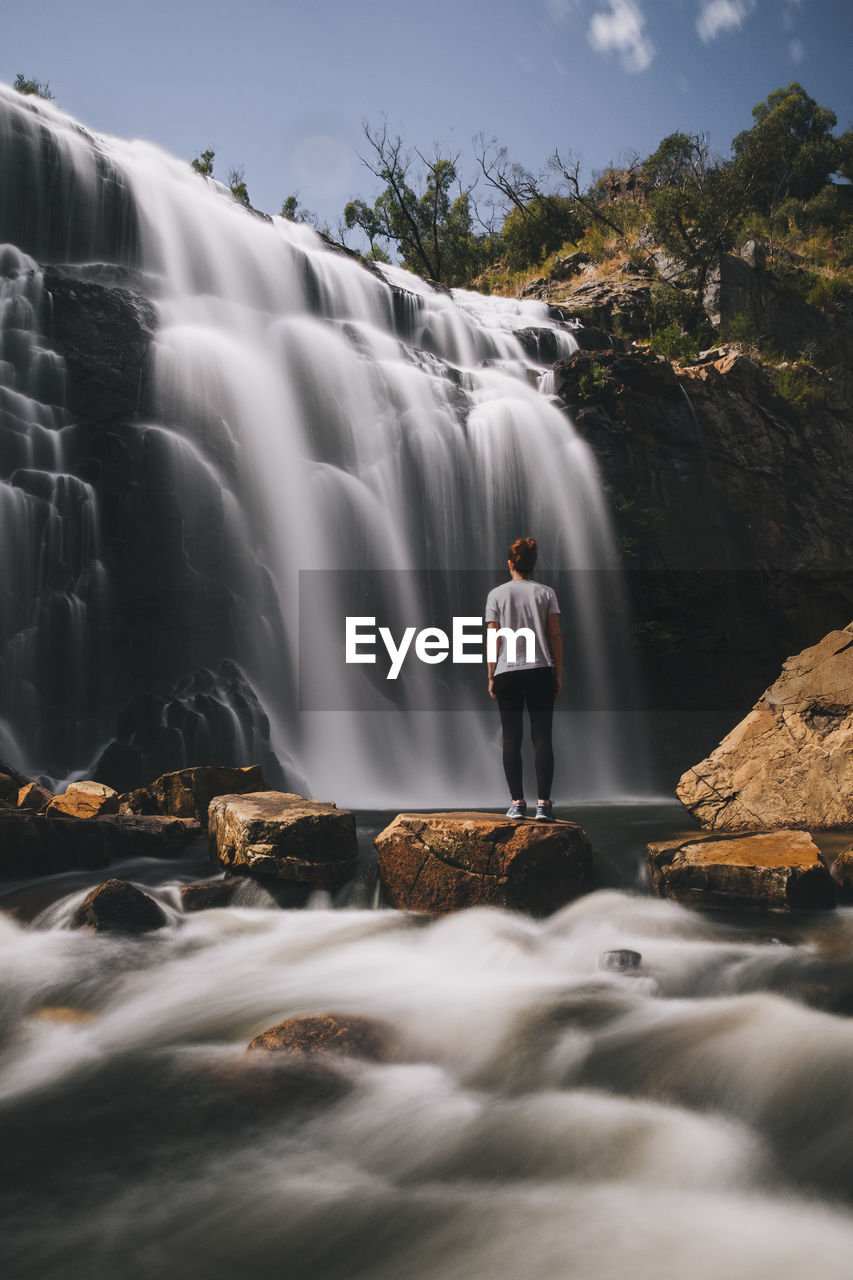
[(673, 344)]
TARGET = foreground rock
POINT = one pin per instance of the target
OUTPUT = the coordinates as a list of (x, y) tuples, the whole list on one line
[(33, 798), (790, 762), (85, 800), (440, 862), (284, 837), (771, 869), (204, 895), (341, 1034), (118, 907), (34, 844), (187, 793)]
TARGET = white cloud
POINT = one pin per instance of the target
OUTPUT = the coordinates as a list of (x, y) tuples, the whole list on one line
[(722, 15), (797, 51), (622, 30)]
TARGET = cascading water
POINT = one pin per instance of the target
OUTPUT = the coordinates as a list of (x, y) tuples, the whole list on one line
[(306, 414)]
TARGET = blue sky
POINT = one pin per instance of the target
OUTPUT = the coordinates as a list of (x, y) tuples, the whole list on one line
[(281, 88)]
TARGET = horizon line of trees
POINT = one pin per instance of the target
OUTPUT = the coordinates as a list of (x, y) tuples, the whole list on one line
[(694, 200)]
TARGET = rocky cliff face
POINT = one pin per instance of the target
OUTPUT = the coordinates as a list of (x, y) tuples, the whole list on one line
[(737, 532)]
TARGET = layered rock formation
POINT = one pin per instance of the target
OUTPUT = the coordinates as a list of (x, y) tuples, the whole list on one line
[(779, 870), (284, 837), (790, 761), (439, 862)]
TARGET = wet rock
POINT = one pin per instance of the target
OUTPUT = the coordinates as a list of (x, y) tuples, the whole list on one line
[(85, 800), (339, 1034), (35, 844), (842, 872), (440, 862), (769, 869), (118, 907), (622, 961), (286, 836), (187, 793), (34, 798), (205, 894), (789, 763), (8, 790)]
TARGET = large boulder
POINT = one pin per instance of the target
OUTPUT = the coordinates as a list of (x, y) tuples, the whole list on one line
[(118, 907), (187, 793), (789, 763), (341, 1034), (33, 798), (771, 869), (285, 837), (439, 862), (85, 800)]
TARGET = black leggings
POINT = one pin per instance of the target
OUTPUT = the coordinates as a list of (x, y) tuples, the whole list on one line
[(535, 686)]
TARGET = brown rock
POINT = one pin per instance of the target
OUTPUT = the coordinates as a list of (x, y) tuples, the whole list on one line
[(34, 844), (118, 907), (440, 862), (85, 800), (33, 798), (344, 1035), (842, 870), (187, 793), (778, 869), (287, 836), (205, 894), (789, 763), (8, 789)]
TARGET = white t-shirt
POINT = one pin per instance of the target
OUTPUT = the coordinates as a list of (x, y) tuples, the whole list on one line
[(522, 603)]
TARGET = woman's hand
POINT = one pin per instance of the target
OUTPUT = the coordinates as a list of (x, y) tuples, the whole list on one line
[(492, 693), (558, 683)]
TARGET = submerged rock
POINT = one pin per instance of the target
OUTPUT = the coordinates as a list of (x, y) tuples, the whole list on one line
[(622, 961), (285, 836), (769, 869), (440, 862), (341, 1034), (789, 763), (85, 800), (187, 793), (118, 907), (206, 894)]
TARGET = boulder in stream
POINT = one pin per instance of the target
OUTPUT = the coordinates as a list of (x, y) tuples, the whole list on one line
[(118, 907), (285, 837), (439, 862), (769, 869), (789, 763), (85, 800), (187, 793), (341, 1034)]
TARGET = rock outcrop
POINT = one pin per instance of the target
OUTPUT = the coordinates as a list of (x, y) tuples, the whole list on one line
[(40, 844), (773, 869), (118, 907), (285, 837), (340, 1034), (439, 862), (85, 800), (789, 763), (187, 793), (203, 895)]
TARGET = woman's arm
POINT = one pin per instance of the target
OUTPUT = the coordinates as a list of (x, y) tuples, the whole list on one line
[(491, 666), (555, 640)]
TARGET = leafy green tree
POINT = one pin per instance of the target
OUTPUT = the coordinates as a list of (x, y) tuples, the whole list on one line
[(236, 179), (37, 88), (694, 205), (845, 155), (203, 164), (417, 211), (537, 229), (790, 151)]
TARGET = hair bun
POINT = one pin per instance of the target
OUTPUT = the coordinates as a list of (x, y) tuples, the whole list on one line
[(522, 555)]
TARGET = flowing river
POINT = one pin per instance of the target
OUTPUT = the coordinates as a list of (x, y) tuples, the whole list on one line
[(546, 1115)]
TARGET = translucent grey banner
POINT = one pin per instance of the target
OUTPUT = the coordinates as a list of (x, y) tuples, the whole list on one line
[(687, 639)]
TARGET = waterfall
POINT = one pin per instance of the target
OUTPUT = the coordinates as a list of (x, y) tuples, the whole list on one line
[(300, 414)]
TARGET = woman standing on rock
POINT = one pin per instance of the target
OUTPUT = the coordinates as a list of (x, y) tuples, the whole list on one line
[(530, 674)]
